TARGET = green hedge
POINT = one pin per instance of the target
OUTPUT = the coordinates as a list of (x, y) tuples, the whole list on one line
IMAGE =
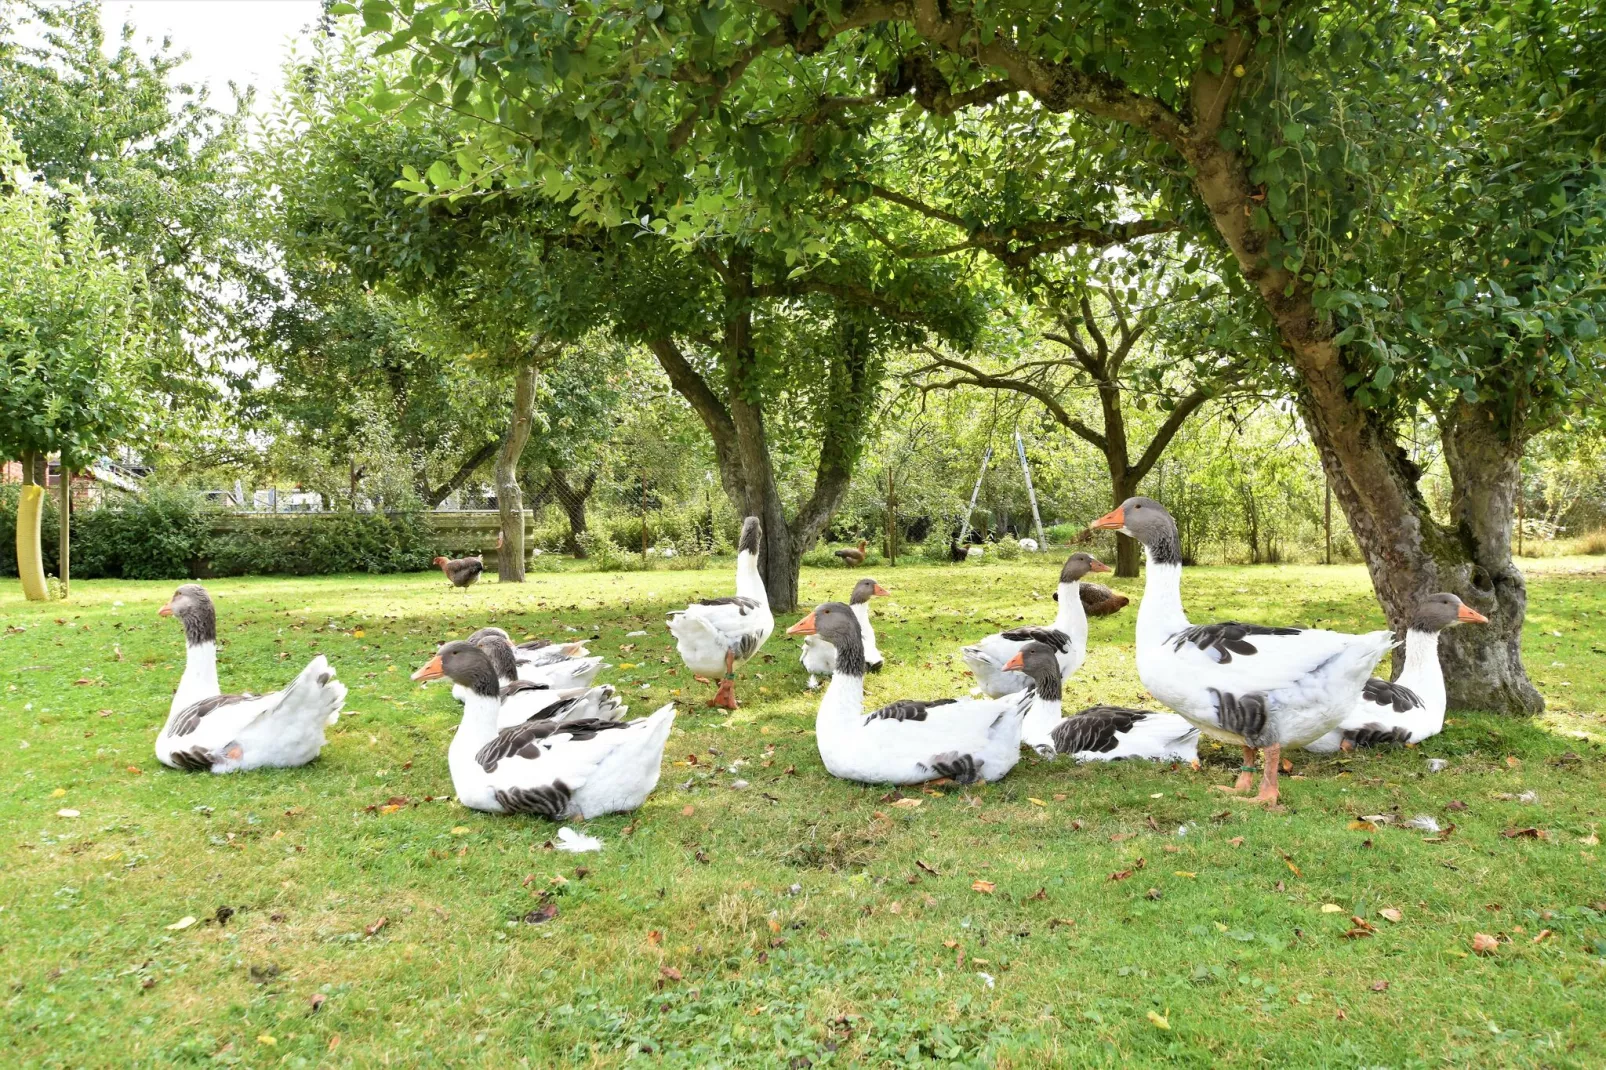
[(166, 535)]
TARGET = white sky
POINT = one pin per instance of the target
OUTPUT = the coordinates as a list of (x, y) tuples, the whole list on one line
[(240, 40)]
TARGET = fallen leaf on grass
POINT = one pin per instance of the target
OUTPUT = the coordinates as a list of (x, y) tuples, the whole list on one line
[(928, 867), (1288, 860), (376, 926), (895, 907), (1391, 913), (1120, 875), (688, 810), (67, 812), (1184, 873), (317, 1000), (1449, 830), (1332, 908), (1363, 826), (1041, 893), (950, 944), (1237, 841), (1544, 934), (1159, 1020), (908, 804), (1380, 986), (1455, 804), (984, 887), (1036, 802), (1117, 837), (183, 923), (669, 973), (461, 830), (542, 914), (1484, 944), (655, 938), (1529, 833), (266, 1041), (58, 793), (1055, 923)]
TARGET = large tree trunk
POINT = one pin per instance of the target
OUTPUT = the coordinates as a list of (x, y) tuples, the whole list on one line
[(509, 500), (1485, 477), (1122, 487), (1407, 553)]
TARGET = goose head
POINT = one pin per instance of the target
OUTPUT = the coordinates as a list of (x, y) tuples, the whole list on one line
[(1147, 521), (499, 648), (465, 664), (752, 535), (865, 590), (1040, 662), (1437, 612), (193, 607), (1080, 564)]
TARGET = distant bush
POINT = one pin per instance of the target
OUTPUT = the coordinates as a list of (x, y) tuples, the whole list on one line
[(323, 543), (1007, 548), (603, 554), (159, 535)]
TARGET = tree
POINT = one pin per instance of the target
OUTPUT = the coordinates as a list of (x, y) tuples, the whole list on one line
[(72, 343), (1306, 147)]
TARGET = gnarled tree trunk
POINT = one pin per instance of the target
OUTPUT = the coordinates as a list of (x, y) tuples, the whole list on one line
[(571, 498), (509, 499)]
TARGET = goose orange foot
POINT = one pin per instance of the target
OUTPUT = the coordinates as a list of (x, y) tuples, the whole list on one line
[(725, 697), (1246, 776)]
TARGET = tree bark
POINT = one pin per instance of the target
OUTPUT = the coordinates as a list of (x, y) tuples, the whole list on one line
[(64, 525), (1485, 478), (509, 499)]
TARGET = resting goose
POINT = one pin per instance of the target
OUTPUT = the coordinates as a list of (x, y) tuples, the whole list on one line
[(715, 635), (854, 556), (819, 657), (908, 741), (536, 653), (986, 659), (1411, 708), (551, 693), (1098, 733), (1264, 688), (552, 769), (211, 732)]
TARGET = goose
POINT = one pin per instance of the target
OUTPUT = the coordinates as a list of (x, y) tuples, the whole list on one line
[(207, 731), (1098, 733), (1029, 545), (536, 653), (854, 555), (908, 741), (986, 659), (550, 693), (819, 657), (1263, 688), (715, 635), (552, 769), (1411, 708)]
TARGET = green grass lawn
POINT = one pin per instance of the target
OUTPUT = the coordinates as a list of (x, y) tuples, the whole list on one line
[(1068, 916)]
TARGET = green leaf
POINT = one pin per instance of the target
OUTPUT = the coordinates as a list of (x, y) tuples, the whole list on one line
[(1294, 133)]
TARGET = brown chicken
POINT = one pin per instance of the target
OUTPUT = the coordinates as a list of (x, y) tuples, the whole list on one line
[(1099, 601), (853, 555), (462, 571)]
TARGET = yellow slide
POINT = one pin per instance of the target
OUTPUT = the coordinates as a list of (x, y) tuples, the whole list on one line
[(30, 555)]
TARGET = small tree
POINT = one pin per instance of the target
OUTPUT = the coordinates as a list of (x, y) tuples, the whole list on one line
[(71, 344)]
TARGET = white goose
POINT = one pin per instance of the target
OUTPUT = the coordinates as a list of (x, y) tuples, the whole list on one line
[(1264, 688), (1098, 733), (536, 653), (908, 741), (819, 657), (526, 700), (555, 671), (211, 732), (547, 768), (716, 635), (1411, 708), (986, 659)]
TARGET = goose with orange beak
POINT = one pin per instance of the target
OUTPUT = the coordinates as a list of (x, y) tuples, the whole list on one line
[(211, 732), (909, 741), (1411, 708), (986, 658), (1261, 687), (819, 657)]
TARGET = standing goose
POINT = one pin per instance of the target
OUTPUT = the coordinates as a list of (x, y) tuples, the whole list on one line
[(819, 657), (211, 732), (1411, 708), (1098, 733), (1264, 688), (908, 741), (552, 769), (715, 635), (986, 659)]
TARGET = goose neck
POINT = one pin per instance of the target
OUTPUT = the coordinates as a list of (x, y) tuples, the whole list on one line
[(1071, 617), (1160, 614), (200, 673), (749, 582)]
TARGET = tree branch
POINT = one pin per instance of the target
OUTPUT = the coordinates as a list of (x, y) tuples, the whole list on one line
[(464, 470), (1167, 431), (973, 376)]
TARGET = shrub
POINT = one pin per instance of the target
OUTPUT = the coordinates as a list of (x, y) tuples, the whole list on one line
[(319, 544), (158, 535), (1007, 548), (1591, 542), (601, 552)]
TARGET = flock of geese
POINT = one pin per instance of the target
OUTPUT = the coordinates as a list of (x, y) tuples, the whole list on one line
[(539, 736)]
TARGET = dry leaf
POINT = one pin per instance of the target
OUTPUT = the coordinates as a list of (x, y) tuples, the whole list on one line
[(1035, 802), (1159, 1020), (183, 923), (669, 973), (1363, 826), (895, 907), (1332, 908), (1237, 841), (1391, 913), (950, 944), (1119, 836), (1380, 986), (928, 867), (687, 810), (461, 830), (1544, 934), (655, 938), (908, 804), (1526, 833), (317, 1001), (1289, 861), (1455, 804), (1040, 894), (376, 926), (1184, 873), (984, 887), (1120, 875), (1484, 944), (774, 924)]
